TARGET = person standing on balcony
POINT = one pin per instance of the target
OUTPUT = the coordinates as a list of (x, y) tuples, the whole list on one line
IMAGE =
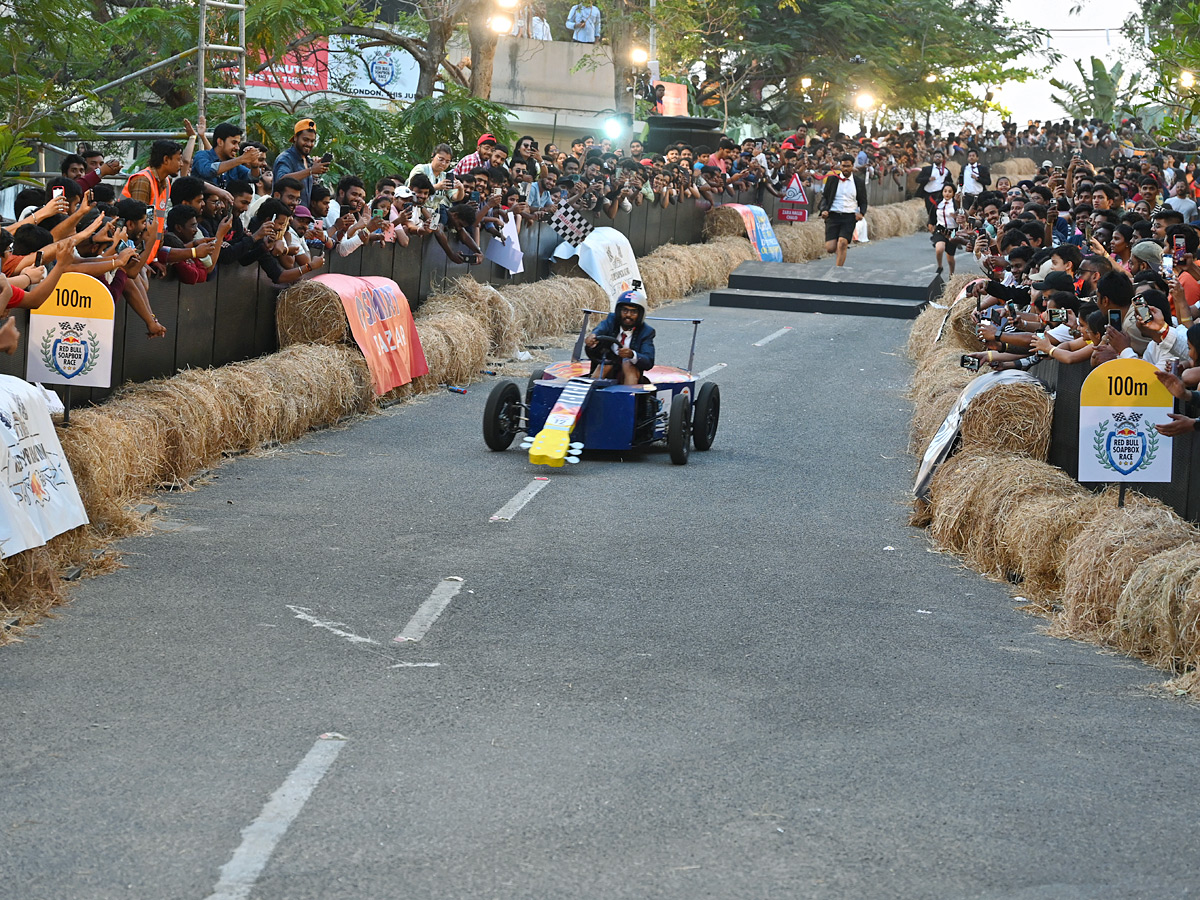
[(584, 22)]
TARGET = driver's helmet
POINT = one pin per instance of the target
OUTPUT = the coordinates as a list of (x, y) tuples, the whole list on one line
[(632, 298)]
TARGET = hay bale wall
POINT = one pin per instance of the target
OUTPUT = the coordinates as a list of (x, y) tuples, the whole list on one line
[(1128, 578)]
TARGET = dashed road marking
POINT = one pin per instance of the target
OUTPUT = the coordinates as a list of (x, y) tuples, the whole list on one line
[(429, 611), (517, 503), (775, 334)]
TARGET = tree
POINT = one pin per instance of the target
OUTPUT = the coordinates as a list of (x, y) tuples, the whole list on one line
[(1100, 93)]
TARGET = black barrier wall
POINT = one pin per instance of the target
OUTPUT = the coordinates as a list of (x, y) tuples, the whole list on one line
[(232, 316), (1182, 493)]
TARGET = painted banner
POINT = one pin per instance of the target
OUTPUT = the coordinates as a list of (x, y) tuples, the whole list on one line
[(304, 69), (40, 499), (606, 256), (1119, 404), (759, 230), (675, 100), (383, 328), (790, 202), (71, 334)]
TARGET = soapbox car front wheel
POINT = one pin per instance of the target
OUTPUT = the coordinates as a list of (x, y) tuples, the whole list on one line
[(707, 416), (502, 418), (679, 429)]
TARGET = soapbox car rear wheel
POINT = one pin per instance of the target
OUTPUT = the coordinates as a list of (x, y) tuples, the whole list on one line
[(502, 416), (706, 417), (679, 429)]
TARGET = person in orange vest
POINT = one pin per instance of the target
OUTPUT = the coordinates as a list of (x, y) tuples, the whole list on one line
[(152, 185)]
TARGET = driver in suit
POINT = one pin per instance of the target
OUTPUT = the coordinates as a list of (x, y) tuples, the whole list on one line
[(625, 335)]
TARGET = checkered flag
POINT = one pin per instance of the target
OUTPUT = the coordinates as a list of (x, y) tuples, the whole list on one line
[(570, 224)]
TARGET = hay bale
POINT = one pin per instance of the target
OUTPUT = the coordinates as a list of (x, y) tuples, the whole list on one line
[(802, 242), (311, 313), (1015, 167), (550, 308), (994, 546), (923, 335), (30, 587), (1010, 418), (720, 221), (1034, 539), (961, 328), (456, 346), (1105, 553), (956, 490), (486, 304), (1157, 612), (939, 369)]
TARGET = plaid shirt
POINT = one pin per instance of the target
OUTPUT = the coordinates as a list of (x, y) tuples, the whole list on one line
[(467, 163)]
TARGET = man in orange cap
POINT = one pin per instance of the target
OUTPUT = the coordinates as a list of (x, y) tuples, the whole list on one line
[(296, 162)]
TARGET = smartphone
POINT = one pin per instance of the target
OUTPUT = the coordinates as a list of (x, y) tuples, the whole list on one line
[(1056, 316), (327, 158), (1168, 267), (1178, 249), (1058, 170), (533, 145), (1143, 312), (970, 363), (496, 192), (37, 259), (57, 193), (758, 145), (1087, 232), (1114, 318)]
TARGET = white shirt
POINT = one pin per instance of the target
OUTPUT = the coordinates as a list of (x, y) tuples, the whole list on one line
[(846, 198), (590, 17), (539, 29), (937, 178), (970, 179), (946, 212)]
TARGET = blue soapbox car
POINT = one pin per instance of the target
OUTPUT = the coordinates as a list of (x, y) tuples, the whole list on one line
[(565, 410)]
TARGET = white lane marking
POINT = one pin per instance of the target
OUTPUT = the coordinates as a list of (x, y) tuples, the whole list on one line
[(517, 503), (405, 665), (429, 611), (710, 370), (304, 614), (770, 337), (260, 838)]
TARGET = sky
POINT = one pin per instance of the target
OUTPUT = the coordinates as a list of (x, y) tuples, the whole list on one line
[(1032, 99)]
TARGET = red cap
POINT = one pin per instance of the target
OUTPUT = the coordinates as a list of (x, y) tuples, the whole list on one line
[(486, 139)]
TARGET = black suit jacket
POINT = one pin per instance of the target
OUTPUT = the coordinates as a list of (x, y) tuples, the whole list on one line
[(926, 174)]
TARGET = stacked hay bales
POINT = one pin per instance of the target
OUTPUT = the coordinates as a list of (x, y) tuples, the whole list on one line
[(1017, 167), (1126, 577)]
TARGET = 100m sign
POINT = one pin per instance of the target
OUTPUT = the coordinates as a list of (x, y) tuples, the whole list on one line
[(1127, 386)]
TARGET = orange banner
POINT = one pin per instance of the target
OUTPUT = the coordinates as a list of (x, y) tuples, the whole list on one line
[(382, 324)]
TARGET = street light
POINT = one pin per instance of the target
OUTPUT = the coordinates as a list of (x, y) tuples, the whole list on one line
[(864, 101), (501, 23), (639, 56), (1187, 79), (805, 83)]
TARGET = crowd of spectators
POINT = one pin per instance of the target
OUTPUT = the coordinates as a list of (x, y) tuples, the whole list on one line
[(1084, 264), (218, 200)]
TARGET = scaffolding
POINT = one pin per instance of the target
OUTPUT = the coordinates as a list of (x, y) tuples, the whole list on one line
[(225, 31)]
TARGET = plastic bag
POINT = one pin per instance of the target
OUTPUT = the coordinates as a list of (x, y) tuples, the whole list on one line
[(860, 232)]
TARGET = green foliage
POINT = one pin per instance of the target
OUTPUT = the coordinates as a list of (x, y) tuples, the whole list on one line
[(759, 51), (14, 156), (455, 118), (1100, 93), (1176, 50)]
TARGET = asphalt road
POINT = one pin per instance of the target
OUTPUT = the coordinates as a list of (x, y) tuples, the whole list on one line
[(743, 678)]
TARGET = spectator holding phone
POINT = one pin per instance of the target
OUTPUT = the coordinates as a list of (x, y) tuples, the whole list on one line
[(227, 161), (444, 188), (297, 162), (584, 22)]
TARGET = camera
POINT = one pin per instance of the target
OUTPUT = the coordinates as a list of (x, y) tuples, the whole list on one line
[(970, 363)]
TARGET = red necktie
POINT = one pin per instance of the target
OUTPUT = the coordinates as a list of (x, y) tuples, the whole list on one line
[(624, 335)]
